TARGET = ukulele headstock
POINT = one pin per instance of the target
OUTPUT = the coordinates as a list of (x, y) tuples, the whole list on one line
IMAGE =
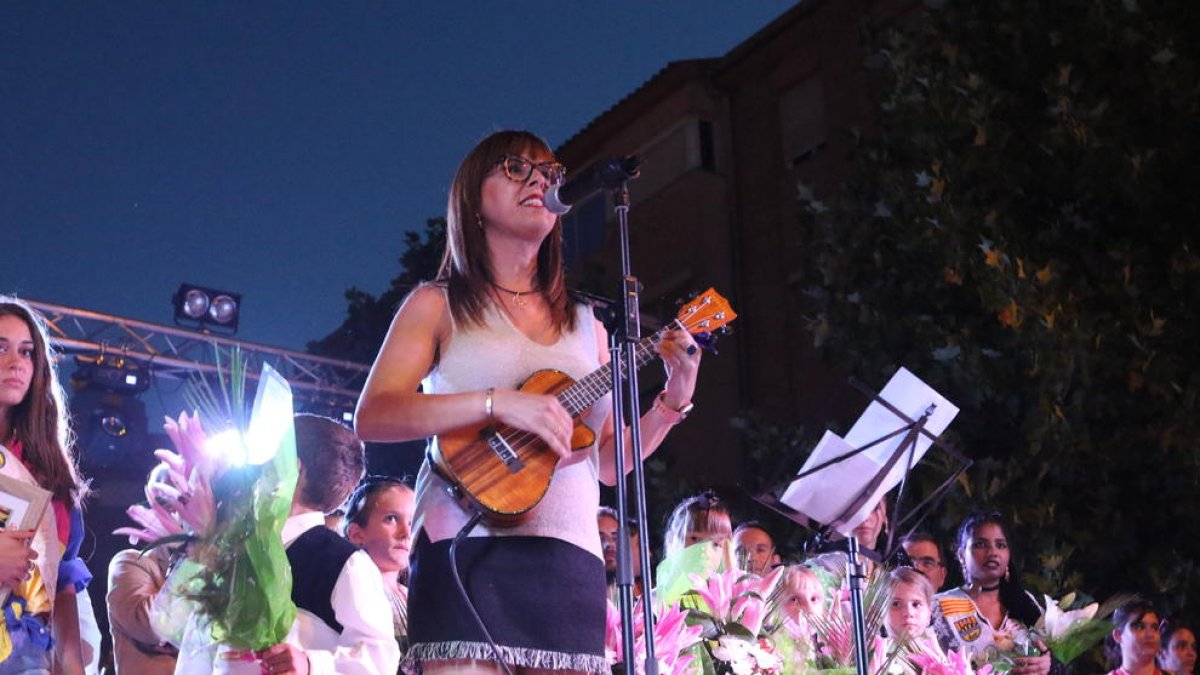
[(706, 313)]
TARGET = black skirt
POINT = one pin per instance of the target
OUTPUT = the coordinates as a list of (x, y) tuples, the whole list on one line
[(542, 600)]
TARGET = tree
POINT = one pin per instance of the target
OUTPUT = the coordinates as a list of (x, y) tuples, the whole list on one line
[(1020, 231), (368, 317)]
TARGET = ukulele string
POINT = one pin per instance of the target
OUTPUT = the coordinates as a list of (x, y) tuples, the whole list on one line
[(522, 439)]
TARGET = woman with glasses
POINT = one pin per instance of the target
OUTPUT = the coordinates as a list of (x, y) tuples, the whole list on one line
[(1133, 643), (990, 614), (498, 311)]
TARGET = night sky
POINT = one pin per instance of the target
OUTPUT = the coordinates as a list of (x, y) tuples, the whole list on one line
[(281, 149)]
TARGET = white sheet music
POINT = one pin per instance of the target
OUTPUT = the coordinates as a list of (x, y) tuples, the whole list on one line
[(824, 495)]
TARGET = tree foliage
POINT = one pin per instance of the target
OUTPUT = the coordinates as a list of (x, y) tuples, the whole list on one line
[(1020, 231), (368, 316)]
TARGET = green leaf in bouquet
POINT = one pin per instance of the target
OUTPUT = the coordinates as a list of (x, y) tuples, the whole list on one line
[(246, 586), (674, 572)]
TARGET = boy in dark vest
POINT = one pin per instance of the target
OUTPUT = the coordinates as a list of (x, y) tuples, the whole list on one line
[(344, 622)]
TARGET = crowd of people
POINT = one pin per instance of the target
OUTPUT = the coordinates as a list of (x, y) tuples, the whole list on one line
[(989, 614), (410, 574)]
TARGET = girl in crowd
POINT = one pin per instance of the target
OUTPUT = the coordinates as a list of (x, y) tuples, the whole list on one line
[(909, 608), (36, 449), (378, 520), (1134, 640), (909, 605), (499, 311), (695, 519), (990, 613), (1178, 653), (805, 594)]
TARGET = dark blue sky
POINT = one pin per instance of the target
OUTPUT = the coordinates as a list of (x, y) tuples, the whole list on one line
[(280, 149)]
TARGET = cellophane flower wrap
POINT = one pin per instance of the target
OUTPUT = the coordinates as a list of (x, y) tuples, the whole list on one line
[(1071, 626), (240, 580)]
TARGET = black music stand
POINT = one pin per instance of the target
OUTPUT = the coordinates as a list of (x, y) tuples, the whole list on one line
[(911, 431)]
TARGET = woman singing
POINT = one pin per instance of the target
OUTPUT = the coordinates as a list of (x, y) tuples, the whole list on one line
[(499, 311)]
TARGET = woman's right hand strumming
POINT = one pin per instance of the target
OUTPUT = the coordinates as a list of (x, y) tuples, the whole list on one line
[(536, 413)]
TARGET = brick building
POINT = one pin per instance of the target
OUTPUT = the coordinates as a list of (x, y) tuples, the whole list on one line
[(725, 142)]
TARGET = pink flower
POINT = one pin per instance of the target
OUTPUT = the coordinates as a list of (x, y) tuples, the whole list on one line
[(672, 638), (954, 663)]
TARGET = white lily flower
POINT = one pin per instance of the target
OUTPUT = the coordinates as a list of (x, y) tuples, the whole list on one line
[(1057, 622)]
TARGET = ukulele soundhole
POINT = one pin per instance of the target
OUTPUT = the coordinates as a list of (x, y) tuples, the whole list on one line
[(505, 452)]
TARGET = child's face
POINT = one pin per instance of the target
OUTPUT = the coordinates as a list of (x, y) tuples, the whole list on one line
[(715, 540), (388, 531), (908, 611), (807, 598)]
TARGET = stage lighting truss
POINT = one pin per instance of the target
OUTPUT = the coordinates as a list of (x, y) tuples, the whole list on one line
[(115, 374), (174, 354), (203, 308)]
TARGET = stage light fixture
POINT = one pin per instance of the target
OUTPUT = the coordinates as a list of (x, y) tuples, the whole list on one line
[(109, 419), (110, 373), (204, 308)]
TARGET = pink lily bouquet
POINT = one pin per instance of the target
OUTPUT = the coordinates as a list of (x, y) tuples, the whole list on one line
[(673, 640), (953, 662), (742, 620), (227, 495)]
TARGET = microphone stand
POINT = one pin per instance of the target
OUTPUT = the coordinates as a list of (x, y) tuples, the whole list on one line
[(624, 333)]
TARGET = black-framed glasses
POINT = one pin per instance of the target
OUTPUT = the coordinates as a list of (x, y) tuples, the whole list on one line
[(517, 168)]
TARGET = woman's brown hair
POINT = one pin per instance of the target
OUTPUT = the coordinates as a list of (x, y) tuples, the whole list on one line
[(40, 420), (465, 267)]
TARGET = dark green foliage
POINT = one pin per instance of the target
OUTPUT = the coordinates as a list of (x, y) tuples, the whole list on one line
[(368, 317), (1020, 231)]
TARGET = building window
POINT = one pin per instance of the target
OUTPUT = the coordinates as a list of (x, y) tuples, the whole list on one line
[(802, 123)]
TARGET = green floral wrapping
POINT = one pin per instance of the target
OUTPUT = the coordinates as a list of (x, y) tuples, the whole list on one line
[(245, 584), (260, 611)]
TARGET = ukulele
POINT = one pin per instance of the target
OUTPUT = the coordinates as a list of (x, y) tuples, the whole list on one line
[(504, 472)]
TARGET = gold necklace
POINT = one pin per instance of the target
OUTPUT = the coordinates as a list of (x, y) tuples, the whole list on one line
[(517, 299)]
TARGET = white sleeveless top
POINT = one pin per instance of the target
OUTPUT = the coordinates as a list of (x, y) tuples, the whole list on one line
[(499, 355)]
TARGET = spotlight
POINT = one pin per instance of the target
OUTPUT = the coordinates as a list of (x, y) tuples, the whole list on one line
[(203, 308)]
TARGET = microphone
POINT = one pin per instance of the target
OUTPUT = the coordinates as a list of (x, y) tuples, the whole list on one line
[(606, 174)]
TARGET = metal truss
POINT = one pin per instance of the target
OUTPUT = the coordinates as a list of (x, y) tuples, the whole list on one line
[(168, 352)]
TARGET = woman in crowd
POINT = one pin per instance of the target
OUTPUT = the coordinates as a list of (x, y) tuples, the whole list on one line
[(378, 520), (36, 449), (1178, 653), (499, 311), (1134, 640), (990, 614)]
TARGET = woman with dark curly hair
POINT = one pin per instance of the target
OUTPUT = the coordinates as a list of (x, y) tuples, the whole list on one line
[(990, 613)]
